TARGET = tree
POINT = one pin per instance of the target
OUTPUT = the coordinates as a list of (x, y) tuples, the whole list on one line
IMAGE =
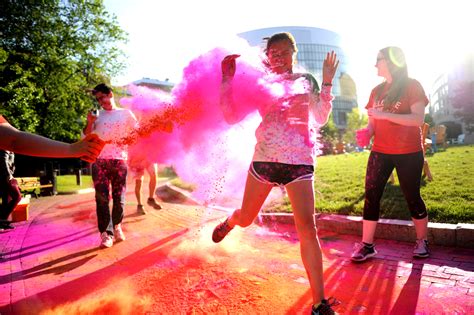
[(429, 120), (329, 133), (355, 120), (463, 102), (50, 53)]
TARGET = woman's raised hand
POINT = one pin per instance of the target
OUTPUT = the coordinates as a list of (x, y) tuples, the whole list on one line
[(228, 67), (329, 67)]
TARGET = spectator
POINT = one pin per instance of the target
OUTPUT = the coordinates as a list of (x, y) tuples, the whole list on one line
[(396, 111)]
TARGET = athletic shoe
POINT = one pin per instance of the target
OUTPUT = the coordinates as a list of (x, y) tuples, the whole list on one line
[(153, 203), (220, 231), (325, 307), (141, 209), (421, 249), (362, 252), (106, 240), (6, 225), (118, 233)]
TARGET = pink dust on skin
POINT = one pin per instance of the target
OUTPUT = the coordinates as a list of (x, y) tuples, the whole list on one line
[(203, 148)]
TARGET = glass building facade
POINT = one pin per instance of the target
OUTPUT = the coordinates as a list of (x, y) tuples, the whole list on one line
[(313, 45), (444, 92)]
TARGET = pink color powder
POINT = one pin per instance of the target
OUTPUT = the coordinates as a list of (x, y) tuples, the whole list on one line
[(201, 146)]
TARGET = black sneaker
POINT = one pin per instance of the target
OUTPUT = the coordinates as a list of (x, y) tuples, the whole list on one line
[(153, 203), (6, 225), (221, 231), (362, 252), (325, 308)]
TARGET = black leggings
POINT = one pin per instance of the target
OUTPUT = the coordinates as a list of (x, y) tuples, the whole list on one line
[(11, 196), (379, 167)]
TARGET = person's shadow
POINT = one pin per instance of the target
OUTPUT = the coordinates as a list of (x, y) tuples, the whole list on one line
[(90, 282), (408, 298)]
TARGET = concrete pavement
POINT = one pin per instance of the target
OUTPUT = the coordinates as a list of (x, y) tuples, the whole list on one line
[(51, 264)]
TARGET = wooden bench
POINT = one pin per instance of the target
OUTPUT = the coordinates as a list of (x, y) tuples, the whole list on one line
[(32, 184)]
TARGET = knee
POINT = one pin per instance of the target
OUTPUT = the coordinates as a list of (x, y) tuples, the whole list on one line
[(245, 221), (371, 209), (101, 199), (307, 232), (417, 208), (419, 213), (240, 219)]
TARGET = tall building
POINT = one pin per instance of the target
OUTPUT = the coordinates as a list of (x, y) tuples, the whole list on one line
[(443, 93), (166, 85), (313, 45)]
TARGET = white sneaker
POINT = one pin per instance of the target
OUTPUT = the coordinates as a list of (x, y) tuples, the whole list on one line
[(119, 236), (106, 240), (421, 249)]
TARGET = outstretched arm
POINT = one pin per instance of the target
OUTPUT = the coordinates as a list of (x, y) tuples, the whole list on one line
[(323, 101), (21, 142), (228, 67)]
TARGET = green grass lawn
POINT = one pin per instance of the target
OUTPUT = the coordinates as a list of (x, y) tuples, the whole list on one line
[(67, 183), (339, 186)]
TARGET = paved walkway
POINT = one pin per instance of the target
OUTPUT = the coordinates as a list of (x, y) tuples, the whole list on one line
[(52, 264)]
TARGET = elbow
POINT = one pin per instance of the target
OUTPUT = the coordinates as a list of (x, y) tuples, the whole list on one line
[(419, 121), (231, 119), (323, 118), (322, 121)]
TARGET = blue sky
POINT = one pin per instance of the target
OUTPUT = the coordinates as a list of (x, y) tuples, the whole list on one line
[(165, 35)]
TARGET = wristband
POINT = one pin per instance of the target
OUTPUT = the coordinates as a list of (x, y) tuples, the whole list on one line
[(327, 84)]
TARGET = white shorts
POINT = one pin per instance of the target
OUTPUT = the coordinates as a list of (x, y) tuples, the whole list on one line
[(137, 171)]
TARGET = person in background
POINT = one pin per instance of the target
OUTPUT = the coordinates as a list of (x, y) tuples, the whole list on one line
[(109, 171), (137, 166), (9, 189), (396, 110), (285, 153)]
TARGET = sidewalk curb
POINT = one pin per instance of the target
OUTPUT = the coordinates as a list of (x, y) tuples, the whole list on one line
[(78, 192), (445, 234)]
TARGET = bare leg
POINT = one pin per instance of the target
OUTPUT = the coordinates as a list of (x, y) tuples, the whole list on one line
[(254, 196), (152, 171), (138, 190), (421, 228), (368, 231), (426, 170), (301, 195)]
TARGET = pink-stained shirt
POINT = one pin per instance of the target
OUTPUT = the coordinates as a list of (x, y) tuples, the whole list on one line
[(289, 127), (112, 125)]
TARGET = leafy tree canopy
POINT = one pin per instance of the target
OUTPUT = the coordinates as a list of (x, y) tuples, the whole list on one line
[(429, 120), (50, 53)]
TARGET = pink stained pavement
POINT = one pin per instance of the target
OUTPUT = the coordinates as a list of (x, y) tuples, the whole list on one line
[(168, 265)]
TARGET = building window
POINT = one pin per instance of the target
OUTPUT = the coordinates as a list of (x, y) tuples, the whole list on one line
[(342, 118)]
